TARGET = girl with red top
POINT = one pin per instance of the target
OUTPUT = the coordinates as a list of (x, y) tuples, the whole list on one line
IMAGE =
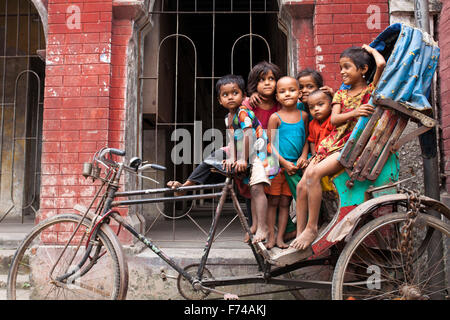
[(261, 85)]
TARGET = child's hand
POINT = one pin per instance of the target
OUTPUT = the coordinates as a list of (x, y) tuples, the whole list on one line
[(327, 90), (255, 99), (364, 110), (228, 164), (240, 166), (368, 48), (302, 162), (290, 168)]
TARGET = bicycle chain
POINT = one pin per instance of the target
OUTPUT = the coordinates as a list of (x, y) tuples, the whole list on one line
[(406, 245)]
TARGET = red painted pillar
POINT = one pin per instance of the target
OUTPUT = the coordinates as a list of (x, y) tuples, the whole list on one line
[(84, 106), (444, 73)]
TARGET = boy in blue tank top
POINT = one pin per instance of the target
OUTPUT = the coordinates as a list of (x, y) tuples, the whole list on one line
[(287, 131)]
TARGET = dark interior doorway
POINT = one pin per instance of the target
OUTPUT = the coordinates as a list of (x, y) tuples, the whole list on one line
[(189, 46), (21, 107)]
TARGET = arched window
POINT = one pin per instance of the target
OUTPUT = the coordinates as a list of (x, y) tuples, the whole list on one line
[(21, 100)]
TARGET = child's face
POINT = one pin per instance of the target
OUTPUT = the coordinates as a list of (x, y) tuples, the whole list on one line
[(288, 92), (349, 71), (230, 96), (307, 85), (266, 84), (319, 106)]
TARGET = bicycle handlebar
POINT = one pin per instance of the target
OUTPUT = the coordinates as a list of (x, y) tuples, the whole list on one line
[(117, 152), (122, 153), (158, 167), (111, 150)]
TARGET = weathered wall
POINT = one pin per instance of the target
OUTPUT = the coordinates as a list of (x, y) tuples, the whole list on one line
[(84, 106), (325, 28), (444, 73)]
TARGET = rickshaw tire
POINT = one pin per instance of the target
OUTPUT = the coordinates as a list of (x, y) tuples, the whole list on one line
[(359, 237), (106, 236)]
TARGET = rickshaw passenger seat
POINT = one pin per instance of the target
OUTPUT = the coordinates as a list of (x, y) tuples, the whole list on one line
[(381, 137)]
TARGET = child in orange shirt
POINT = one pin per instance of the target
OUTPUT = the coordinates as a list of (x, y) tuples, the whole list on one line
[(319, 104)]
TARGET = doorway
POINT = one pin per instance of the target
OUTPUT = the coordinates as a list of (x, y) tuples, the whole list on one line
[(21, 102), (188, 46)]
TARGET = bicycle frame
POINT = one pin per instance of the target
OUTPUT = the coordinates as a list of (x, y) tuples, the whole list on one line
[(106, 209), (227, 189)]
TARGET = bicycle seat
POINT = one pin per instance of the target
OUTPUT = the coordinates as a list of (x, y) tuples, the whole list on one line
[(218, 168)]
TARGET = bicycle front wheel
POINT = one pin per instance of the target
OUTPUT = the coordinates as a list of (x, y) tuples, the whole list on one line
[(42, 259)]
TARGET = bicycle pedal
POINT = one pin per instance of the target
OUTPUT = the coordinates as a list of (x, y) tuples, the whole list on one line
[(164, 276)]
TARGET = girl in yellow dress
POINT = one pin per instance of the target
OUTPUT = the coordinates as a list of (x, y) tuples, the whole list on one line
[(347, 106)]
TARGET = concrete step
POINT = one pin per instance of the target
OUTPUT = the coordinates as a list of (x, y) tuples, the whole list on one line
[(146, 281), (6, 256), (23, 280), (12, 234)]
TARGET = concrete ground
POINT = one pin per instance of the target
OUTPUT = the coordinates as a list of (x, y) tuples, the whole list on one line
[(229, 256)]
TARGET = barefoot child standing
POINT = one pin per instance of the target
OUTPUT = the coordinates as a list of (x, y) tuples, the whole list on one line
[(287, 135)]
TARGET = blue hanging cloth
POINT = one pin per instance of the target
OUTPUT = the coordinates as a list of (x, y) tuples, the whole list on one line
[(411, 57)]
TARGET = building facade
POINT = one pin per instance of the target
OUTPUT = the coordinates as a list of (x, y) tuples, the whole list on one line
[(126, 73)]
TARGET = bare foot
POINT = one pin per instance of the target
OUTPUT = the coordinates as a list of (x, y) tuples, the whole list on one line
[(176, 185), (271, 242), (304, 239), (281, 244), (260, 235), (247, 236)]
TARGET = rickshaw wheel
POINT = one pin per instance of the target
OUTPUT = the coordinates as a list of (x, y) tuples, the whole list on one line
[(373, 267)]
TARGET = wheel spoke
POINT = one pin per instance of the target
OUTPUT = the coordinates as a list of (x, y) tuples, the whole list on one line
[(97, 279), (378, 243)]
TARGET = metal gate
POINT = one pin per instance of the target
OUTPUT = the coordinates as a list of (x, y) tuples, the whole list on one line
[(21, 102), (187, 46)]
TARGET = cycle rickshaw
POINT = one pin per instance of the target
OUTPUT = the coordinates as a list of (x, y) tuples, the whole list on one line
[(380, 240)]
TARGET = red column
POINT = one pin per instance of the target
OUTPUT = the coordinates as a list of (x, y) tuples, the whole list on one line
[(77, 100), (444, 72)]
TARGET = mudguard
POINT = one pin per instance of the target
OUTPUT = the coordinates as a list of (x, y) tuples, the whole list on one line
[(347, 224)]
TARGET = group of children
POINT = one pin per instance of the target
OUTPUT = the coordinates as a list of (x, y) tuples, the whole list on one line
[(291, 131)]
